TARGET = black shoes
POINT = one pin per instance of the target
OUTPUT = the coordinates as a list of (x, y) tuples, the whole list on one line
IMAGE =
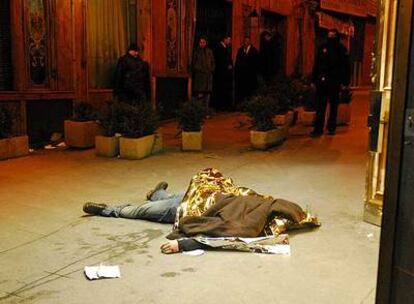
[(159, 186), (94, 208), (315, 134)]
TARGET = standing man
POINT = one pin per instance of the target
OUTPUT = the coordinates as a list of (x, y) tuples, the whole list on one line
[(132, 80), (223, 75), (330, 74), (203, 67), (246, 70), (268, 56)]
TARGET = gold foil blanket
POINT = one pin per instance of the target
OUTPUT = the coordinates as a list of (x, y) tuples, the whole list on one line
[(200, 196)]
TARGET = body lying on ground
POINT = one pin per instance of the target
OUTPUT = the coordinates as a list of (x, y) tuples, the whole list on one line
[(212, 207)]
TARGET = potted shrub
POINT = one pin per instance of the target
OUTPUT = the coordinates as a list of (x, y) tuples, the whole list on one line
[(138, 126), (107, 144), (284, 118), (344, 107), (265, 133), (10, 146), (80, 131), (284, 93), (190, 118)]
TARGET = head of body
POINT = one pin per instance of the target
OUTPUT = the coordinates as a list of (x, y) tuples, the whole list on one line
[(133, 50), (333, 39)]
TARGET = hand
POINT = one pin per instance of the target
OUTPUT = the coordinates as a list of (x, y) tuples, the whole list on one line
[(170, 247), (230, 67), (312, 85)]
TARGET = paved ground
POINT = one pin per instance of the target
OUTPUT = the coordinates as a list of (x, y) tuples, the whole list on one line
[(45, 240)]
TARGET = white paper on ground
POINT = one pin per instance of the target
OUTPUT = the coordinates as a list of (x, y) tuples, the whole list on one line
[(278, 249), (196, 252), (101, 271)]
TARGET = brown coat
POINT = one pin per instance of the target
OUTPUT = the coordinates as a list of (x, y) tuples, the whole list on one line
[(237, 216), (203, 67)]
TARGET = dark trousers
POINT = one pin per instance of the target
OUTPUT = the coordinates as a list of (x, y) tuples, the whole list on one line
[(323, 94), (222, 98), (246, 86)]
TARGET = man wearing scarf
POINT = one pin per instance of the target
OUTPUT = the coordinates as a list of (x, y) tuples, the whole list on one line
[(203, 66)]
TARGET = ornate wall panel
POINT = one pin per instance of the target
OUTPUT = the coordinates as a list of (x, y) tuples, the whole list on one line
[(37, 34), (173, 34), (382, 91)]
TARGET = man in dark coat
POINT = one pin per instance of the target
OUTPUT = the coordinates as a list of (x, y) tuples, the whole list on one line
[(246, 70), (330, 73), (203, 67), (223, 75), (132, 80), (268, 56)]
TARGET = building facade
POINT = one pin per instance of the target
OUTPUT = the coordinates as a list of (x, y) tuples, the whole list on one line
[(55, 52)]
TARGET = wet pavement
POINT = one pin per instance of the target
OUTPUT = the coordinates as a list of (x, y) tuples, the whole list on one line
[(46, 240)]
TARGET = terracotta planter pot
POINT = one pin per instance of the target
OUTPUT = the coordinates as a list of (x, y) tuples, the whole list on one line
[(307, 118), (107, 146), (284, 119), (192, 141), (136, 148), (14, 147), (158, 145), (81, 134), (19, 146), (344, 114), (263, 140), (4, 148)]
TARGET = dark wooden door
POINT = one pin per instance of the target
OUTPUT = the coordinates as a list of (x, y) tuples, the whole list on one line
[(5, 47), (396, 261), (402, 290)]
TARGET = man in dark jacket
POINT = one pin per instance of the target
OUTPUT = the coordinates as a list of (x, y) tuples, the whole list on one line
[(223, 75), (132, 80), (331, 72), (246, 70), (268, 56)]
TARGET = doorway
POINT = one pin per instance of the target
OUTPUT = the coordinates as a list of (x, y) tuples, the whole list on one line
[(214, 19), (6, 81), (275, 25)]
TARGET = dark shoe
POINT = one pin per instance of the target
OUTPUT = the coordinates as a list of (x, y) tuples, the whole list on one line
[(159, 186), (331, 132), (94, 208), (315, 134)]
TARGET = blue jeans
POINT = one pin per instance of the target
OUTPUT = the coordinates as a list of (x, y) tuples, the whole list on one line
[(161, 208)]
